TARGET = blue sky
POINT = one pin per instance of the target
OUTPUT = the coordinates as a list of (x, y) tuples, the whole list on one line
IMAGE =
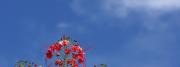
[(121, 33)]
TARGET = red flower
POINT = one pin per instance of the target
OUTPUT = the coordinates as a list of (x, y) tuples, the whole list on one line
[(75, 65), (49, 54), (75, 48), (80, 60), (67, 51), (35, 65), (72, 61), (81, 57), (68, 61), (74, 56), (58, 62), (51, 48), (57, 46), (65, 42), (81, 54)]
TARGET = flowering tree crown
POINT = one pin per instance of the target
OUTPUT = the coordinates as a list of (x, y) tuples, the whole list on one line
[(66, 52), (63, 53)]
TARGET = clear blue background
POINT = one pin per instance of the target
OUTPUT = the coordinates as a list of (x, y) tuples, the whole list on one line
[(132, 37)]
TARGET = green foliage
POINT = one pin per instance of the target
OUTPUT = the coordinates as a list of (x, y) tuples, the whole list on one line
[(101, 65)]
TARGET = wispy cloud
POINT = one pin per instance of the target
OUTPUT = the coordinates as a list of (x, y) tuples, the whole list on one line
[(148, 12), (151, 7), (155, 43), (123, 7)]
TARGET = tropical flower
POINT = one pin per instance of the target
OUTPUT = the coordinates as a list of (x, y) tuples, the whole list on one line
[(75, 65), (80, 60), (49, 54), (65, 42), (58, 62), (57, 46), (67, 51), (74, 48), (35, 65), (74, 56)]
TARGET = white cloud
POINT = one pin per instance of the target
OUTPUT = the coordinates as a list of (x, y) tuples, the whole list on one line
[(122, 7), (149, 12), (156, 39)]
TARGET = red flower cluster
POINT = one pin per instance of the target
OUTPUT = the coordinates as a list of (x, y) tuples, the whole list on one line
[(67, 52), (58, 62), (54, 47), (78, 53)]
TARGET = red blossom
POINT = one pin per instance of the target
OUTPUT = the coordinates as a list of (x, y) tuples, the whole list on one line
[(49, 55), (74, 56), (80, 54), (58, 62), (81, 57), (75, 65), (68, 61), (57, 46), (80, 51), (72, 61), (65, 42), (35, 65), (67, 51), (80, 60), (75, 48), (51, 48)]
